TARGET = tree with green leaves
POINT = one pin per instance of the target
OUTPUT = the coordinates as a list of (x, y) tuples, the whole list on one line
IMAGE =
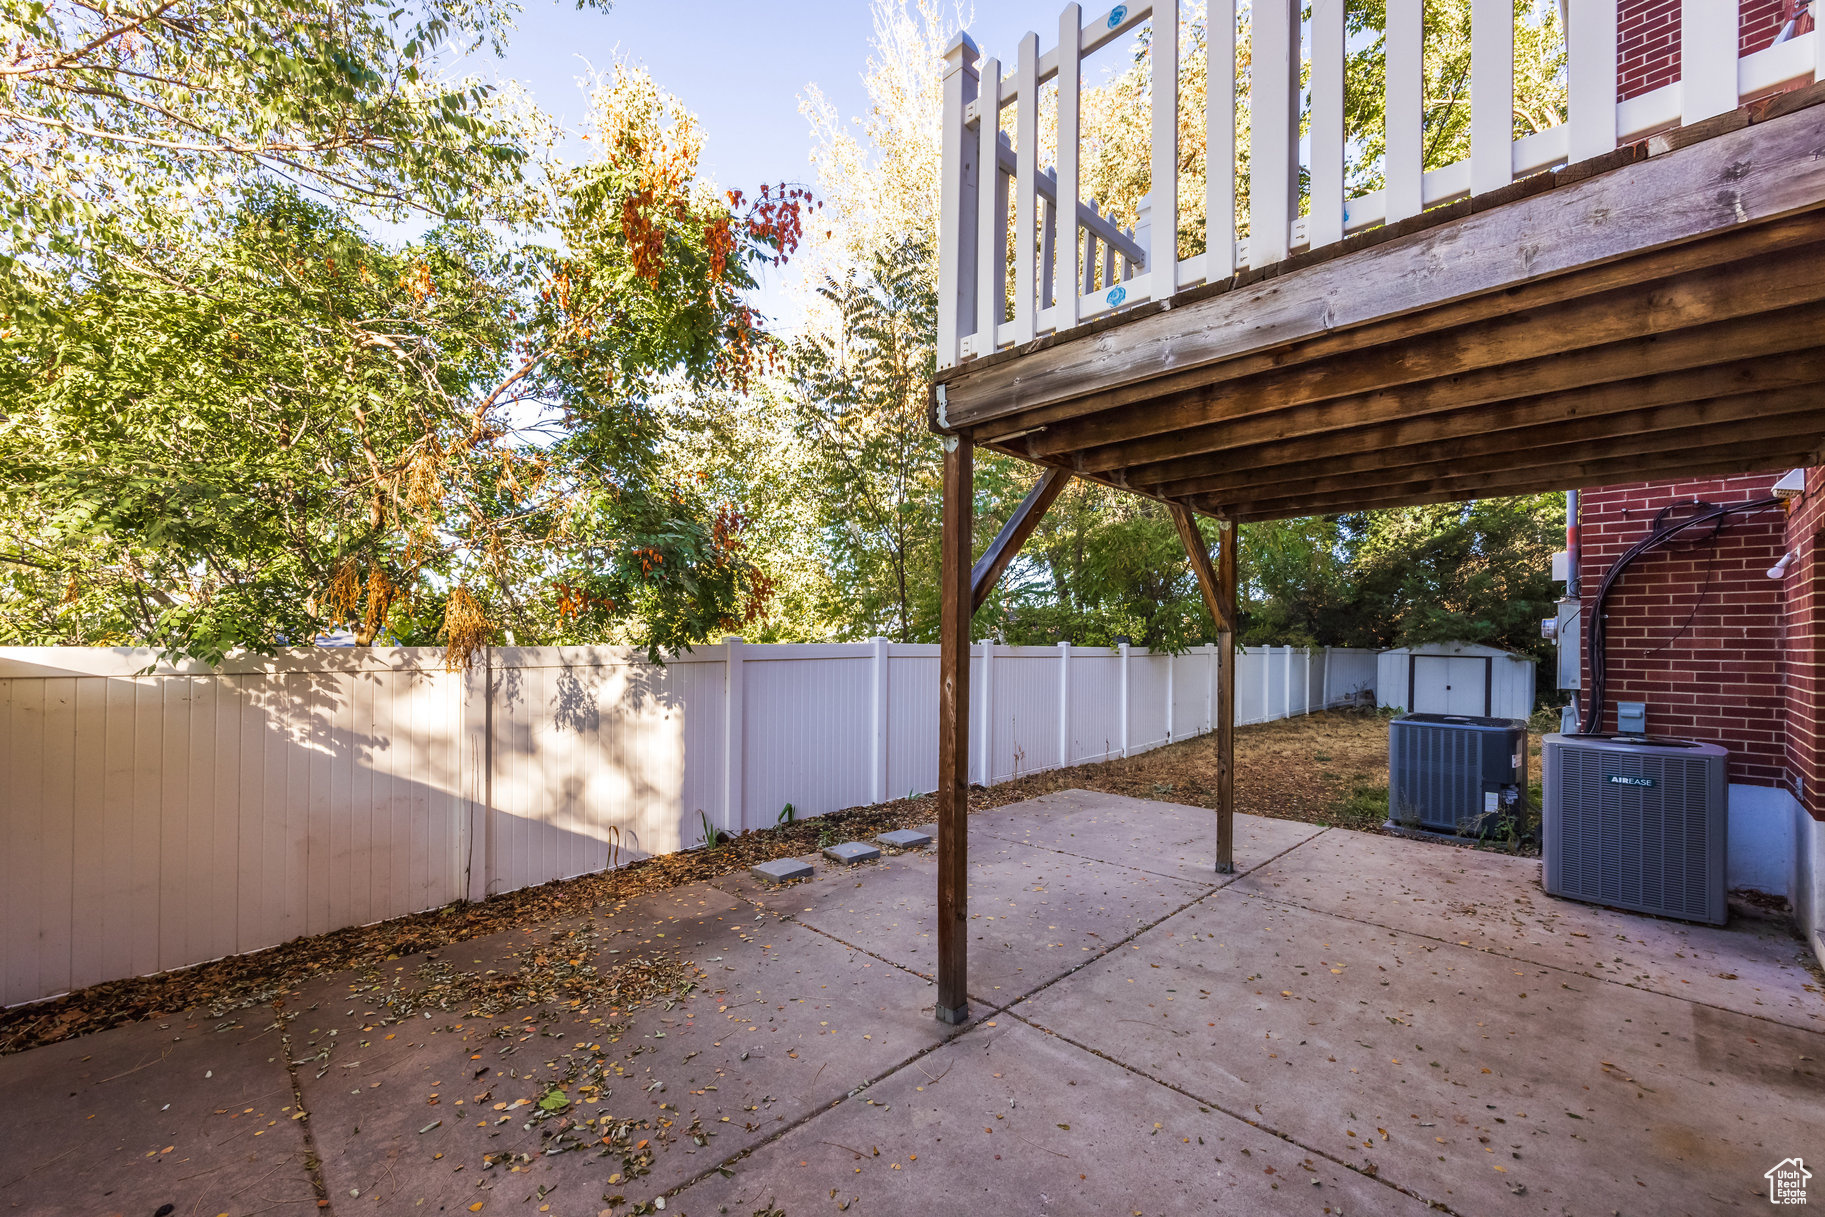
[(254, 428)]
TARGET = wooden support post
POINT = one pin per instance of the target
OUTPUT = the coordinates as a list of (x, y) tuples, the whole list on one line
[(954, 731), (1219, 589), (1226, 700)]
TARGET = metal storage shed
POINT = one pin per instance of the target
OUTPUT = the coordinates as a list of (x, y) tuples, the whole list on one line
[(1456, 678)]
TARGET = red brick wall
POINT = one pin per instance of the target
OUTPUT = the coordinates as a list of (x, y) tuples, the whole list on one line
[(1804, 589), (1647, 39), (1697, 632)]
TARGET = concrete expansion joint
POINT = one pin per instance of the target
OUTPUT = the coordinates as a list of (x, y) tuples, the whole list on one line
[(313, 1161), (1260, 1125)]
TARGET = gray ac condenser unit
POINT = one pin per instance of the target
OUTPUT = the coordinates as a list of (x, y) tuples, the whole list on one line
[(1446, 769), (1637, 823)]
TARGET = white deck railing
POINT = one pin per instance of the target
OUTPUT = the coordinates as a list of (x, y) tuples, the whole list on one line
[(1059, 281)]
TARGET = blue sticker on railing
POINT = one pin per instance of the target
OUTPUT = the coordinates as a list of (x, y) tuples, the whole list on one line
[(1117, 15), (1116, 296)]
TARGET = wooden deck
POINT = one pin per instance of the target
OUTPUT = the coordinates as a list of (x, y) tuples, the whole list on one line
[(1656, 312)]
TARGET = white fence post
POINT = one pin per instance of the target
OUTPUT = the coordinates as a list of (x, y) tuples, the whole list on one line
[(1171, 668), (1064, 704), (878, 785), (734, 735), (986, 771), (478, 759), (1324, 690), (1286, 682), (1210, 686), (1267, 684), (1125, 715)]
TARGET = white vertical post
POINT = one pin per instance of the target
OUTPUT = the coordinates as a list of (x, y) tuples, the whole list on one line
[(1273, 140), (1324, 683), (1064, 704), (1491, 95), (1707, 58), (1325, 224), (1590, 46), (957, 206), (734, 735), (1171, 668), (1220, 143), (1163, 252), (1267, 684), (878, 786), (1143, 232), (1403, 164), (1210, 685), (985, 768), (1125, 715), (1048, 248), (1286, 683), (1026, 187), (991, 215), (1070, 71)]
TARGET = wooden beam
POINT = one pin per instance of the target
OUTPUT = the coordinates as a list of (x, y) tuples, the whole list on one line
[(1733, 245), (1001, 551), (1226, 700), (1166, 458), (1199, 553), (1684, 428), (1764, 170), (1713, 461), (1509, 363), (1700, 297), (954, 731), (1497, 426)]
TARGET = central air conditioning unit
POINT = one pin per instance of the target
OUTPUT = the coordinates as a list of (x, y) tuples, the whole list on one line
[(1637, 823), (1447, 769)]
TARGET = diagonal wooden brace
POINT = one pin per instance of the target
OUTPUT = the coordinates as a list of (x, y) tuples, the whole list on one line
[(994, 560)]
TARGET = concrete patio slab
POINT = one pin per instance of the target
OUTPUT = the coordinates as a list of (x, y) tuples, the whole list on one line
[(1164, 838), (1034, 914), (1483, 1083), (188, 1111), (1008, 1120), (784, 1021), (1495, 902)]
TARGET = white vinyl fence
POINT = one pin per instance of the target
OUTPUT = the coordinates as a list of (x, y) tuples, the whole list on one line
[(155, 817)]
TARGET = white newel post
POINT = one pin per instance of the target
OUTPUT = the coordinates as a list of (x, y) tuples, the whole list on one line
[(1064, 704), (734, 735), (1125, 715), (878, 786), (957, 207), (985, 767)]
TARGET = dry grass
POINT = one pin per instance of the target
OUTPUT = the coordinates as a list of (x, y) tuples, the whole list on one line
[(1323, 768)]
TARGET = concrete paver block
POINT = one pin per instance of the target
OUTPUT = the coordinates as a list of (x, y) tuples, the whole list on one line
[(781, 870), (851, 851), (904, 838)]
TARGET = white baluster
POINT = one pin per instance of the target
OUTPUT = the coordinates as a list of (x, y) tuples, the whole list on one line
[(1026, 187), (991, 215), (1491, 95), (1070, 68), (1273, 139), (1088, 271), (1326, 222), (1590, 45), (1163, 251), (1707, 58), (1220, 142), (1405, 84), (1048, 244), (956, 206)]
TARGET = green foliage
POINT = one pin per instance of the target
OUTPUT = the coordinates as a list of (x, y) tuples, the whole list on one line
[(251, 431)]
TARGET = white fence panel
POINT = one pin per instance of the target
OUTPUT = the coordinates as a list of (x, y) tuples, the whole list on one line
[(158, 816)]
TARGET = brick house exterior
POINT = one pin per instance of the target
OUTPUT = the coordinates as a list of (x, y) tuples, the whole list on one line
[(1698, 631)]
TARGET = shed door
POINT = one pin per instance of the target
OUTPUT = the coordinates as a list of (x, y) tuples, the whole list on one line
[(1450, 684)]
